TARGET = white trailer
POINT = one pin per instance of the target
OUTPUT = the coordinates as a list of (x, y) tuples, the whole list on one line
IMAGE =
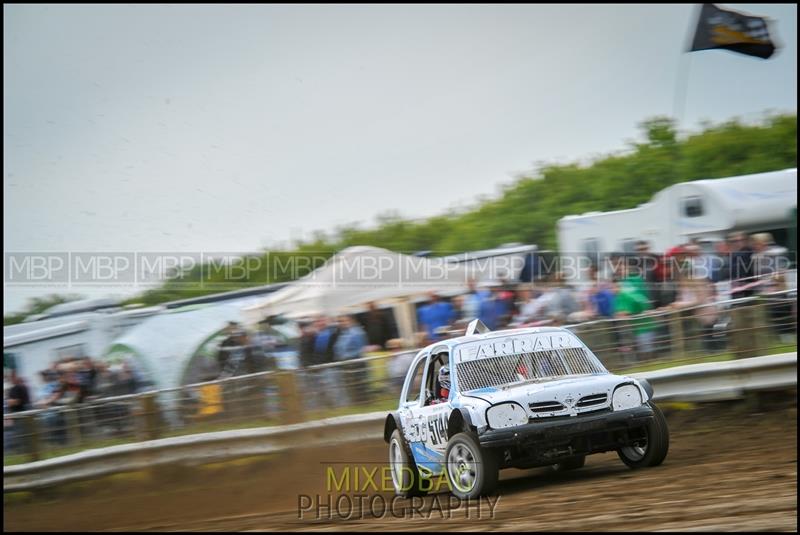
[(703, 209), (36, 344)]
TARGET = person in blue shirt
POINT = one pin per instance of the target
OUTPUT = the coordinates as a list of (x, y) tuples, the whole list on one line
[(351, 341), (434, 315), (603, 301), (354, 376), (322, 382), (488, 310), (503, 304), (324, 341), (470, 309)]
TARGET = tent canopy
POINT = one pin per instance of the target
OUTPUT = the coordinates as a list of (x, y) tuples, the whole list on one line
[(162, 346), (358, 275)]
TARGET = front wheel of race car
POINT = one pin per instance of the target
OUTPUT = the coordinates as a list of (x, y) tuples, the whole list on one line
[(471, 470), (405, 475), (652, 450)]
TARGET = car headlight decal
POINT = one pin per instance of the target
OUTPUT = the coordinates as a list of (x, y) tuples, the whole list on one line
[(626, 397), (504, 415)]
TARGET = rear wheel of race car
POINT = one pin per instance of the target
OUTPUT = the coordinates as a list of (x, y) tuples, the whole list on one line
[(471, 470), (653, 449), (405, 475), (570, 464)]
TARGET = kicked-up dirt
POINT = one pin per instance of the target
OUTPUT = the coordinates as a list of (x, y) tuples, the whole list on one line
[(730, 467)]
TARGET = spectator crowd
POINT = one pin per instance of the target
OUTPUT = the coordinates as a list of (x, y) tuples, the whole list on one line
[(72, 380), (633, 286), (67, 382)]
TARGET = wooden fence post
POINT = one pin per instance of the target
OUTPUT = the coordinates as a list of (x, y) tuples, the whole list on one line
[(743, 337), (149, 417), (761, 327), (72, 422), (290, 399), (30, 437), (677, 335)]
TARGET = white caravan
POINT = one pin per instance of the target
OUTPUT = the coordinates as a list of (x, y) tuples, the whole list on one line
[(702, 209)]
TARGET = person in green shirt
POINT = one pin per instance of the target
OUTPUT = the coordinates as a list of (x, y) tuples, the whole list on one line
[(631, 299)]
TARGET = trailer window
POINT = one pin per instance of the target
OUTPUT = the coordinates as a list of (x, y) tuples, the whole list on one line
[(628, 245), (591, 246), (73, 351), (693, 206)]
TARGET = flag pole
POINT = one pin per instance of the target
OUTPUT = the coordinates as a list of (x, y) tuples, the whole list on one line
[(682, 76)]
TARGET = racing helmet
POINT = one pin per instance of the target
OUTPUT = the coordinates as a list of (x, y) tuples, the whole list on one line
[(444, 377)]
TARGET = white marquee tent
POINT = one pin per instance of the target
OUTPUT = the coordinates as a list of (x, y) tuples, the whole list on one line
[(162, 347), (358, 275)]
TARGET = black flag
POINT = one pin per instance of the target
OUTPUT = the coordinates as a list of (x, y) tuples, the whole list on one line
[(719, 28)]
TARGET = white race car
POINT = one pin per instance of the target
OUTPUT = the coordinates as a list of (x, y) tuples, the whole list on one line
[(517, 398)]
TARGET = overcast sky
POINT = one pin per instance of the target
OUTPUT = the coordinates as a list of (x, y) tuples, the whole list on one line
[(230, 128)]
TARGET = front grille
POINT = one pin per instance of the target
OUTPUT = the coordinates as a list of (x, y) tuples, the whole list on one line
[(546, 406), (594, 399)]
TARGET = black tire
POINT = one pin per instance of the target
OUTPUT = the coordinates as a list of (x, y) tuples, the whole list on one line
[(405, 475), (570, 464), (471, 470), (654, 451)]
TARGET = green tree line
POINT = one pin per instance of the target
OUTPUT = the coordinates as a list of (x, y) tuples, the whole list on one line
[(526, 210)]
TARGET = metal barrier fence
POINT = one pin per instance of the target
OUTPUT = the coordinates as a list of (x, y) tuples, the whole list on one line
[(736, 328), (718, 331)]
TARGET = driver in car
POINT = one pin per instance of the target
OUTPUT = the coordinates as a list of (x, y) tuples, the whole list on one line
[(444, 386)]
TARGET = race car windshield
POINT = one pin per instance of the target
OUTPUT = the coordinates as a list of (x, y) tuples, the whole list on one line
[(513, 369)]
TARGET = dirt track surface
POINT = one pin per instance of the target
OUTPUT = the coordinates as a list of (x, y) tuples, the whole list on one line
[(729, 468)]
